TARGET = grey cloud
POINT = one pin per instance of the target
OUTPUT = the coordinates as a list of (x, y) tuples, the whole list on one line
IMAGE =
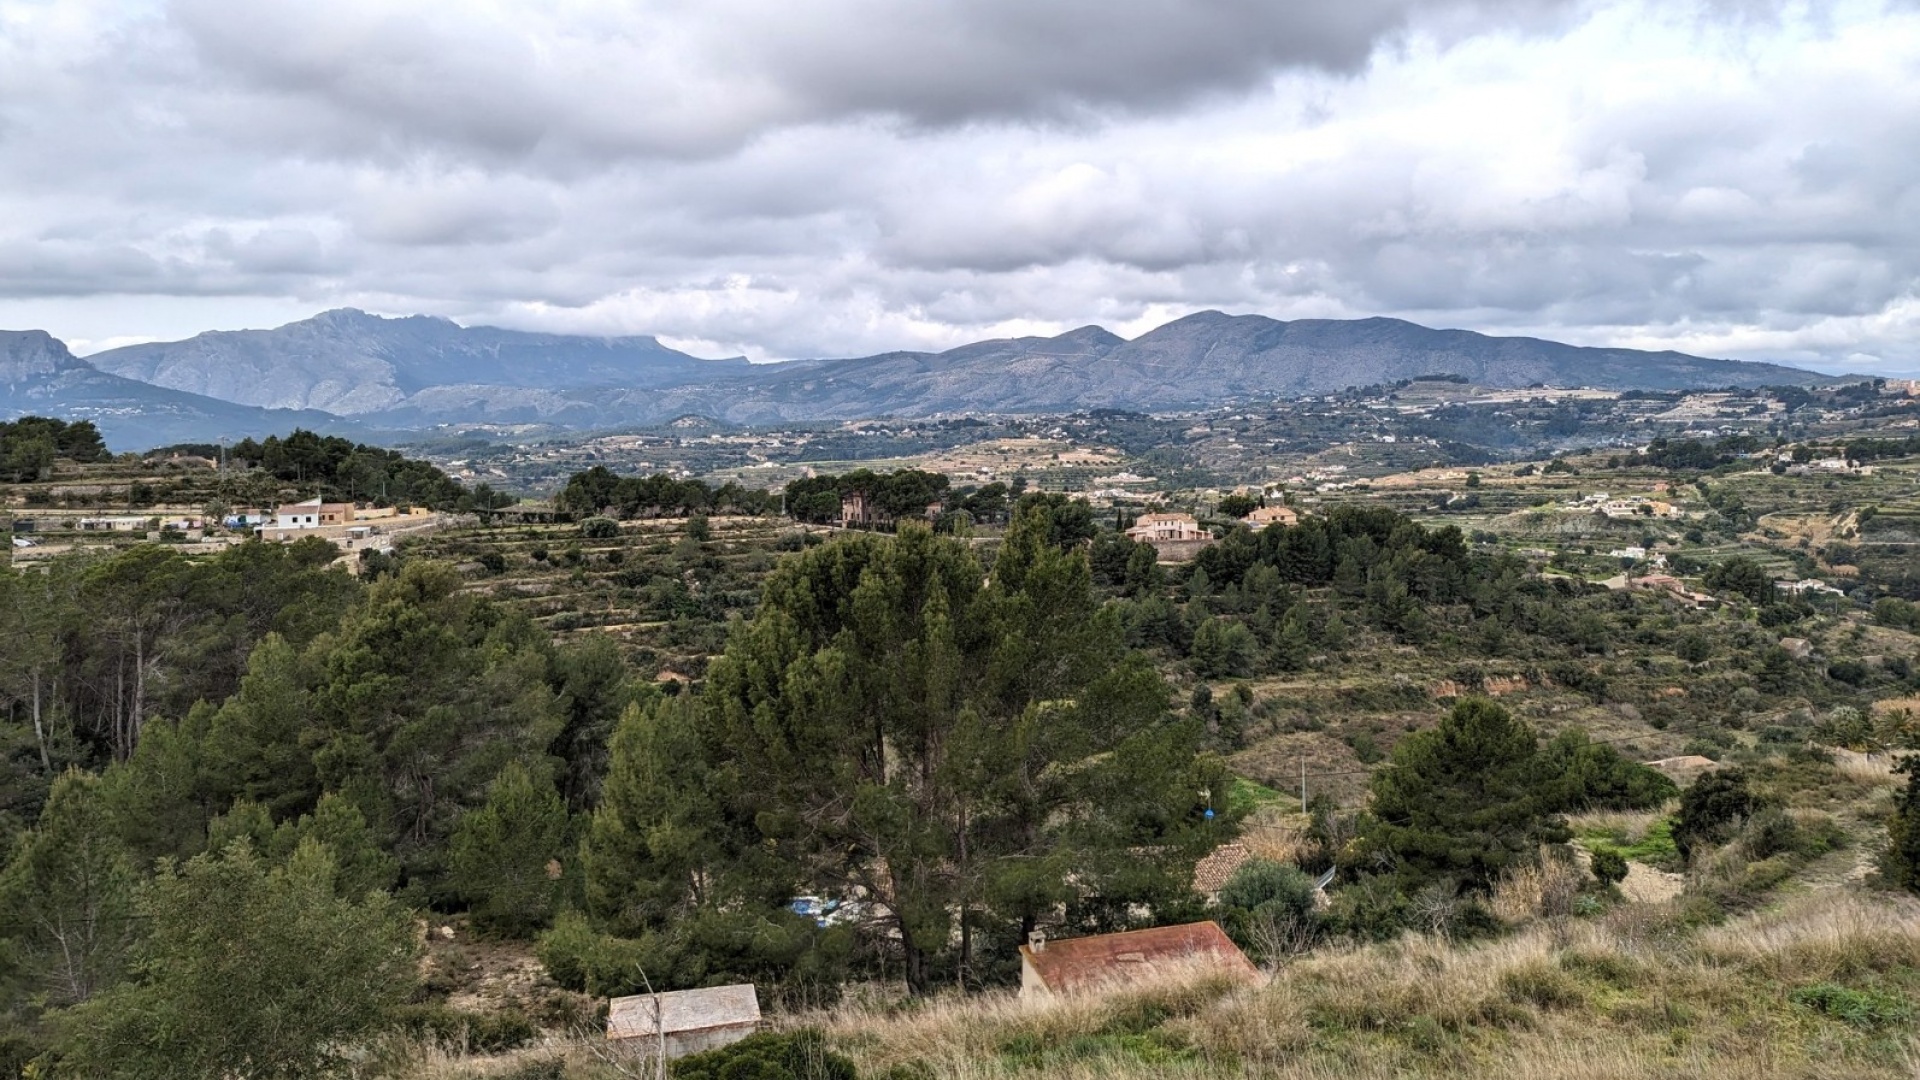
[(858, 176), (389, 78)]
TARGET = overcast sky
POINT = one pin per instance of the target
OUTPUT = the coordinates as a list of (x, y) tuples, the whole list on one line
[(838, 177)]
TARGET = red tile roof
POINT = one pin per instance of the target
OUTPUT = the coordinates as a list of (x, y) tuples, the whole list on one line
[(1212, 872), (1080, 963)]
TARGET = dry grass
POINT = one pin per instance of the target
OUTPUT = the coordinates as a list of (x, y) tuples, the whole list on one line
[(1897, 707), (1543, 888), (1635, 994), (1277, 833), (1631, 995), (1626, 827), (1867, 770)]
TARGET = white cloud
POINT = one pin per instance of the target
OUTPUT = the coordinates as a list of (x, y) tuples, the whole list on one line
[(852, 176)]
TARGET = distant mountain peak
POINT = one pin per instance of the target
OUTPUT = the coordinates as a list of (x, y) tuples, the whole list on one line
[(1092, 334), (349, 362), (33, 354)]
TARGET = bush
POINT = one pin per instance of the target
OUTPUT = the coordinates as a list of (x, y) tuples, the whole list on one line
[(1270, 909), (486, 1033), (600, 528), (793, 1055), (1861, 1008), (1609, 867), (1711, 808)]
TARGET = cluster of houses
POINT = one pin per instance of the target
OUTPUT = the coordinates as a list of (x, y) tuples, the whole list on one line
[(1179, 537), (335, 521)]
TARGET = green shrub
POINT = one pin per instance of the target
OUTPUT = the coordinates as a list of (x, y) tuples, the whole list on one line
[(793, 1055), (1609, 867), (1861, 1008), (599, 528), (1711, 808), (487, 1033), (1269, 908)]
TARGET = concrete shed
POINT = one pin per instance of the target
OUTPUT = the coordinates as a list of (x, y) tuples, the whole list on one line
[(692, 1020)]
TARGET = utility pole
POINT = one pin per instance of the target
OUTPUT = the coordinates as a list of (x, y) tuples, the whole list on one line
[(1303, 785)]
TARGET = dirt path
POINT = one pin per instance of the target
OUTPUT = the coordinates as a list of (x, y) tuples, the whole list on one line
[(1645, 885)]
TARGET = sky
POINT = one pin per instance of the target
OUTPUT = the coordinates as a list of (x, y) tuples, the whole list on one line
[(775, 179)]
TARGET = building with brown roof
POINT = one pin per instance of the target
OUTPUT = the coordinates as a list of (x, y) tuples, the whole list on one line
[(1272, 515), (1174, 537), (858, 509), (1211, 873), (1077, 965)]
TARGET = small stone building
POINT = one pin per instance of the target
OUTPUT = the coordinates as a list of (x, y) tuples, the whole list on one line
[(690, 1020), (1053, 968)]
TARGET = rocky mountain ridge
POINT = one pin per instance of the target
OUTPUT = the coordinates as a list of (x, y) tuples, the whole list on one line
[(401, 374), (348, 362), (40, 376)]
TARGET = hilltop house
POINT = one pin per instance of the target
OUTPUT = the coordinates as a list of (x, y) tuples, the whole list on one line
[(1174, 537), (1271, 515), (857, 508), (312, 514), (1055, 968), (689, 1020)]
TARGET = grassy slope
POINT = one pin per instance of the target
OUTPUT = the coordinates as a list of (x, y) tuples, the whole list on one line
[(1820, 985)]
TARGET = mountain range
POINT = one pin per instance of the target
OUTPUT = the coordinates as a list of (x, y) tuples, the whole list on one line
[(40, 376), (350, 371)]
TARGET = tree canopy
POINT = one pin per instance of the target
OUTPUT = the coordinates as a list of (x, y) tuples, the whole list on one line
[(897, 729)]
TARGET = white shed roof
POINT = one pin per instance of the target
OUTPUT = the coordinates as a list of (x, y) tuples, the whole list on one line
[(683, 1010)]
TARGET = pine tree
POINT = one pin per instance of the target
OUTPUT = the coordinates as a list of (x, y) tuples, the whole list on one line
[(66, 898), (658, 845), (503, 851), (893, 727), (1463, 801), (1902, 861)]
